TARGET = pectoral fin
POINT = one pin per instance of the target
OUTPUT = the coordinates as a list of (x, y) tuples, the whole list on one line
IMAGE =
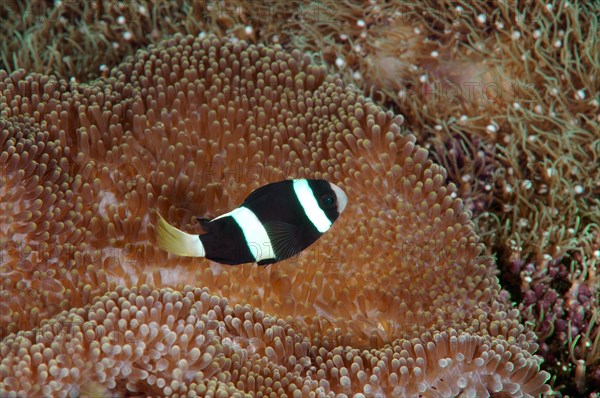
[(286, 239)]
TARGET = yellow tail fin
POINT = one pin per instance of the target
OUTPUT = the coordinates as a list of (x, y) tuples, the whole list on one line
[(177, 242)]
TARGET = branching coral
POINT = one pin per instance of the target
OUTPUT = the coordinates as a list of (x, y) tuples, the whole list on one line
[(191, 127)]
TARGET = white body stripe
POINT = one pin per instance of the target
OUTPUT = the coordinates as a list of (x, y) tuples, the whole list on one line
[(310, 205), (255, 234)]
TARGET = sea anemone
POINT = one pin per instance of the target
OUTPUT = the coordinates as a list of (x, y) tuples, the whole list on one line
[(165, 342), (398, 298), (505, 96)]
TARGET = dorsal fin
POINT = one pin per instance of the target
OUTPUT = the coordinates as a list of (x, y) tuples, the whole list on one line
[(265, 190), (204, 223)]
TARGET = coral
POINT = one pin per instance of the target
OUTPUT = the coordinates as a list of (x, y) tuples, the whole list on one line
[(81, 40), (399, 297), (544, 142)]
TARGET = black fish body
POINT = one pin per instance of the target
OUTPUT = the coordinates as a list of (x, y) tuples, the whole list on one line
[(275, 222)]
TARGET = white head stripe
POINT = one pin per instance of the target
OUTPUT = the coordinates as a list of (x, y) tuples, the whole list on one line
[(255, 234), (310, 205)]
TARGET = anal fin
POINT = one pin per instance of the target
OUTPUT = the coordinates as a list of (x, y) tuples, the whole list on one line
[(267, 261)]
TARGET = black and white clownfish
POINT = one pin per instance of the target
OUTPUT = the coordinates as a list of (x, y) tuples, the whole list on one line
[(275, 222)]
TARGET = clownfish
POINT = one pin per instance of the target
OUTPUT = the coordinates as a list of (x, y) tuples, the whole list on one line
[(275, 222)]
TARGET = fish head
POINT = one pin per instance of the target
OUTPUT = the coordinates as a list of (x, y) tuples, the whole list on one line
[(341, 198)]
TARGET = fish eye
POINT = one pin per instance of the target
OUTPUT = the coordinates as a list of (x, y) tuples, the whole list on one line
[(328, 200)]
